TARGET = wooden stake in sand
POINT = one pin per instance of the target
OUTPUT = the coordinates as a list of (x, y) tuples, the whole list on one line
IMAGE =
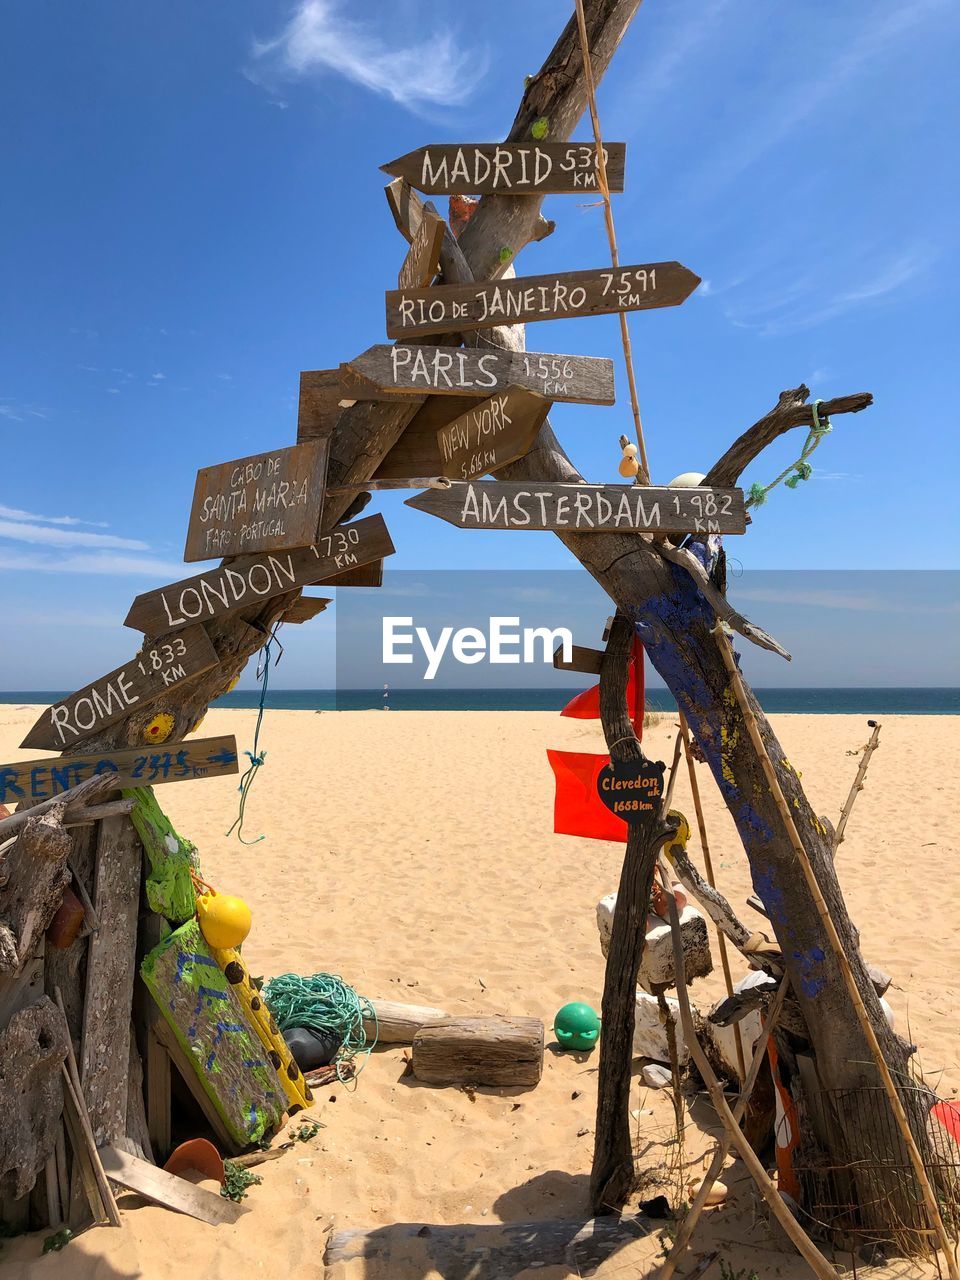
[(612, 1174), (896, 1106), (711, 880), (857, 787)]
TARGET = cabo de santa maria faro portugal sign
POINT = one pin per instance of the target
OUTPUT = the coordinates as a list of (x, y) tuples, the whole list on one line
[(265, 502)]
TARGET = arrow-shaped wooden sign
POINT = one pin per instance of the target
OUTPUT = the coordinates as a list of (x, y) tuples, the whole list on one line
[(491, 434), (423, 256), (456, 307), (509, 168), (27, 781), (159, 666), (266, 502), (252, 579), (386, 371), (585, 508), (306, 609)]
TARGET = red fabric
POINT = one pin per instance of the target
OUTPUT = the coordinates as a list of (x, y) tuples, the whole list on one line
[(577, 808), (948, 1113), (586, 705)]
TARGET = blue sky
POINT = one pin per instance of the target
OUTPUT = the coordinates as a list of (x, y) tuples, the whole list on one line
[(192, 212)]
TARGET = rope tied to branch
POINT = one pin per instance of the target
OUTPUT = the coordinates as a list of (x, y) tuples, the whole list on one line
[(256, 756), (799, 470)]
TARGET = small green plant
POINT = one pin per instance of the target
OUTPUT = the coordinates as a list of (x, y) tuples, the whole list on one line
[(238, 1179), (59, 1240), (727, 1272), (308, 1129)]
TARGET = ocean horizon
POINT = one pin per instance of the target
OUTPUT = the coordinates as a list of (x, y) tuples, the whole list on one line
[(813, 701)]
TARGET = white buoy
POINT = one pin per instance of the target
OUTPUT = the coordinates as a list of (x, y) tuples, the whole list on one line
[(687, 480)]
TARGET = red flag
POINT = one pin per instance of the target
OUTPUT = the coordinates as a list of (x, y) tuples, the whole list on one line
[(578, 809), (586, 705)]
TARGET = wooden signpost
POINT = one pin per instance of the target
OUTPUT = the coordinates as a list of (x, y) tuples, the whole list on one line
[(384, 371), (159, 666), (29, 781), (509, 168), (423, 256), (365, 575), (585, 508), (305, 609), (598, 292), (632, 789), (491, 434), (266, 502), (254, 579), (320, 405)]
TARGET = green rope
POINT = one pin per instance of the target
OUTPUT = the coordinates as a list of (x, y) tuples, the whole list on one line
[(256, 756), (323, 1002), (799, 470)]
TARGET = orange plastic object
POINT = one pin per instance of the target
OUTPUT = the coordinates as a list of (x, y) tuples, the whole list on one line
[(198, 1154), (67, 922)]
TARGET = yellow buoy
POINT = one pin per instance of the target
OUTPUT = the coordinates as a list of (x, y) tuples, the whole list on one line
[(224, 920)]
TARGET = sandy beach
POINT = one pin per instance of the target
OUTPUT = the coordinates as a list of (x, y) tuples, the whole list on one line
[(413, 853)]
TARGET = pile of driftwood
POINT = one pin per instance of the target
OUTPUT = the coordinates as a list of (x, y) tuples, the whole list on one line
[(89, 1062)]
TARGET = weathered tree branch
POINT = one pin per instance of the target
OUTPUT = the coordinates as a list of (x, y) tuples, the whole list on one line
[(791, 411), (557, 96)]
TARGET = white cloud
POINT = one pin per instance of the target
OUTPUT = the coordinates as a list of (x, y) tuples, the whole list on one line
[(40, 535), (158, 377), (14, 513), (319, 39), (113, 391), (12, 558), (808, 304), (19, 412)]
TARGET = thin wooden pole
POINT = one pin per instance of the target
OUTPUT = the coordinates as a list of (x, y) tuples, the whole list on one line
[(823, 911), (857, 787), (72, 1081), (644, 475), (805, 1246), (692, 1215), (712, 881)]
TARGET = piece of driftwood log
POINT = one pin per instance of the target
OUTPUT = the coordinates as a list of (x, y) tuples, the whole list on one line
[(111, 966), (33, 876), (483, 1051), (32, 1047), (612, 1174), (81, 817), (398, 1023), (499, 1251), (160, 1187)]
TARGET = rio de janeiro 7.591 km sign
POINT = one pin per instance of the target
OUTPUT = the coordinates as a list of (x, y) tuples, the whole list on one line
[(446, 307)]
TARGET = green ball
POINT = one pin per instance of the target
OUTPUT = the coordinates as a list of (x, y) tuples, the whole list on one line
[(577, 1027)]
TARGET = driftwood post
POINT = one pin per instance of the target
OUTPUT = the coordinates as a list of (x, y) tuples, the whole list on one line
[(612, 1175)]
